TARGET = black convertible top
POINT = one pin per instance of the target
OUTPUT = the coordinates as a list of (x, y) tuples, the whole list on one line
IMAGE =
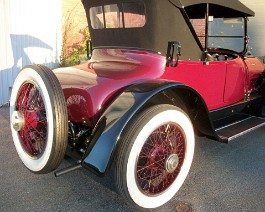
[(218, 7), (166, 20)]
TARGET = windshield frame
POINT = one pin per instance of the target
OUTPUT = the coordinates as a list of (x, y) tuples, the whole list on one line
[(204, 39)]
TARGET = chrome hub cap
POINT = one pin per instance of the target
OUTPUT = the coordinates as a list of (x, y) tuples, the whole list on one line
[(17, 121), (171, 163)]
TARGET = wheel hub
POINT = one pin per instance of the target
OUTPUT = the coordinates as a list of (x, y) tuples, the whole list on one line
[(171, 163), (17, 121)]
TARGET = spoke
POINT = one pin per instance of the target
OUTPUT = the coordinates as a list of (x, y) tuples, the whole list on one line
[(26, 99), (27, 143), (34, 133), (30, 141), (150, 165), (152, 176)]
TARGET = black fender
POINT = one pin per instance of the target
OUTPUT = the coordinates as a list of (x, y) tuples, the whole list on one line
[(109, 129)]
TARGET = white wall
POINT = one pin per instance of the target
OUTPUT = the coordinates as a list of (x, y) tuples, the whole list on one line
[(257, 27), (30, 32)]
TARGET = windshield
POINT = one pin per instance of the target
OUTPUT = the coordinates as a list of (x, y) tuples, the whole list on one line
[(224, 33)]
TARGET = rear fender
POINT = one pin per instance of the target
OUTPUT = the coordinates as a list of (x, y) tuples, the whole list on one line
[(110, 126)]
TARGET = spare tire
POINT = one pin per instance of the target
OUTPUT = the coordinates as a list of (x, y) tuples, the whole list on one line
[(38, 118)]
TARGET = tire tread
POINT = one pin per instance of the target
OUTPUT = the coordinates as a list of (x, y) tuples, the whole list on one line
[(60, 117)]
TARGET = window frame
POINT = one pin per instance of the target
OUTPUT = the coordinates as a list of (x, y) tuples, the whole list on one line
[(206, 36)]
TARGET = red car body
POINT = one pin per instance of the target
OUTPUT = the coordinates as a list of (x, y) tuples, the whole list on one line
[(221, 82), (159, 71), (92, 84)]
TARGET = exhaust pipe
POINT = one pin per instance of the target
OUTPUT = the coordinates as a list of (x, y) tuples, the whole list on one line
[(68, 169)]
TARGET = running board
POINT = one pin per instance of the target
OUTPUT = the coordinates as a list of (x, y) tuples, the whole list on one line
[(239, 127)]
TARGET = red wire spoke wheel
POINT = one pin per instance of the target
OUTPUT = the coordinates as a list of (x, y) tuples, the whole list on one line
[(33, 130), (160, 159), (155, 156), (38, 119)]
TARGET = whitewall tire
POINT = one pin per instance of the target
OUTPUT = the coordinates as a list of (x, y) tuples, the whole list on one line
[(38, 118), (154, 156)]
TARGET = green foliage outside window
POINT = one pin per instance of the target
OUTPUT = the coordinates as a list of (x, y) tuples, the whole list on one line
[(75, 53)]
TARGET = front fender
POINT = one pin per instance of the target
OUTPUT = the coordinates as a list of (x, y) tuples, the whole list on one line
[(110, 126)]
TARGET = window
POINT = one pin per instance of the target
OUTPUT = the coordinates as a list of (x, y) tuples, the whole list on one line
[(125, 15), (96, 17), (225, 33), (113, 16), (134, 15)]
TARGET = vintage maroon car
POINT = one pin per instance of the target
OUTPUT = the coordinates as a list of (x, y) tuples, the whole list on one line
[(160, 70)]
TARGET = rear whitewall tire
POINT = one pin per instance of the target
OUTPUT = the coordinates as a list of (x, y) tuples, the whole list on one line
[(138, 133)]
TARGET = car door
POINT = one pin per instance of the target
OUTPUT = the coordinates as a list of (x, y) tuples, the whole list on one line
[(208, 79)]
